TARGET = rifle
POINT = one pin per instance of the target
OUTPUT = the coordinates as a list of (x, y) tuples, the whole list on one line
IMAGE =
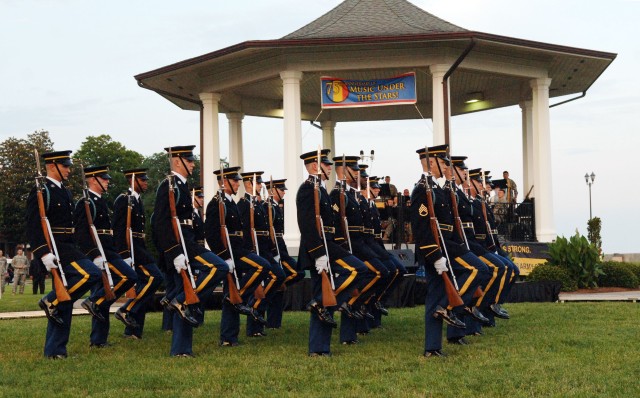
[(187, 281), (259, 292), (484, 209), (131, 293), (328, 286), (452, 292), (234, 293), (272, 230), (528, 193), (59, 279), (343, 206), (107, 281)]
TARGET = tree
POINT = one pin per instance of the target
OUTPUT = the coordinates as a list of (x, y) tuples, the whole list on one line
[(17, 172), (102, 150)]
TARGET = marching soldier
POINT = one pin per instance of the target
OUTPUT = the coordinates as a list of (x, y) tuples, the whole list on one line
[(224, 234), (256, 238), (319, 250), (293, 274), (98, 243), (58, 251), (173, 228), (128, 232), (198, 209)]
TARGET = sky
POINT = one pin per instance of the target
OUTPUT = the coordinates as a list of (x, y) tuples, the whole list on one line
[(68, 67)]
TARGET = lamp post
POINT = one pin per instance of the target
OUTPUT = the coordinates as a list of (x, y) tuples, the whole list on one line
[(589, 183)]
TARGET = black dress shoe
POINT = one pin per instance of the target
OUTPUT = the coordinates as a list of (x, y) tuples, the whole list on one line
[(323, 314), (349, 311), (434, 353), (364, 312), (126, 318), (51, 311), (319, 354), (498, 311), (164, 302), (241, 308), (458, 341), (93, 309), (449, 317), (101, 345), (184, 356), (381, 308), (196, 309), (57, 356), (184, 312), (477, 315), (350, 342), (257, 317), (228, 344), (258, 334), (478, 333)]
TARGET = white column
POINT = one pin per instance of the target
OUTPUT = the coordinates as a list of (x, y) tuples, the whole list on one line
[(527, 150), (329, 141), (437, 74), (292, 151), (545, 226), (236, 157), (210, 143)]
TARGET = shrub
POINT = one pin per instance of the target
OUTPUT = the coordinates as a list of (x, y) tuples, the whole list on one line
[(635, 268), (548, 272), (579, 257), (618, 275)]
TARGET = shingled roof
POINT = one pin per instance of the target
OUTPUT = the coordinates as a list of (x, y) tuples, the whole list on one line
[(370, 18)]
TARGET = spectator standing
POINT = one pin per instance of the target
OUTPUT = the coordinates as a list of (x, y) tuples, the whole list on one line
[(20, 265), (38, 275), (512, 188), (4, 270)]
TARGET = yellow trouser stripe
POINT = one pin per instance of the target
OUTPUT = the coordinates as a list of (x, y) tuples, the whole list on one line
[(351, 277), (471, 277), (271, 282), (85, 277), (255, 274), (493, 278), (504, 278), (373, 282), (144, 289), (294, 273), (212, 271), (123, 280)]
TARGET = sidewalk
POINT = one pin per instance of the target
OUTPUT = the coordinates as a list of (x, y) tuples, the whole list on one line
[(77, 310), (630, 295)]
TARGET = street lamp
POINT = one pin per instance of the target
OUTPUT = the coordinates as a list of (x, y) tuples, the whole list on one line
[(589, 183)]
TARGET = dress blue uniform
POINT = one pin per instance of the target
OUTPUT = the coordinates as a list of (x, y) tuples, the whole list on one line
[(124, 277), (250, 268), (149, 276), (80, 272), (209, 269)]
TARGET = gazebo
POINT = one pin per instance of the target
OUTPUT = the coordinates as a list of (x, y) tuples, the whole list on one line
[(374, 39)]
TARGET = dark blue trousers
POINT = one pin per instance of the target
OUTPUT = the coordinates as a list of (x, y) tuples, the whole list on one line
[(149, 279), (435, 296)]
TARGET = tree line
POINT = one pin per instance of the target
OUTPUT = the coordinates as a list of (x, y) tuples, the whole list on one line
[(18, 171)]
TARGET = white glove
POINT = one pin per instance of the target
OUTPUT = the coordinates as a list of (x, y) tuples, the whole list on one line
[(441, 265), (129, 261), (180, 263), (49, 261), (277, 258), (231, 264), (99, 262), (322, 264)]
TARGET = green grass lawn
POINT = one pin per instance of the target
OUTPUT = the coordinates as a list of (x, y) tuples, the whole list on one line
[(550, 349)]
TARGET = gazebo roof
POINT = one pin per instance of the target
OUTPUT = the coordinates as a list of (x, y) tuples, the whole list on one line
[(370, 18), (373, 39)]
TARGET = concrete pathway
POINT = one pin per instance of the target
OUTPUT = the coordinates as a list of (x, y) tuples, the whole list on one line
[(77, 310), (631, 295)]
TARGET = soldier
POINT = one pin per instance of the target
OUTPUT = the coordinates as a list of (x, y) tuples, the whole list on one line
[(89, 212), (198, 209), (250, 268), (129, 231), (319, 250), (293, 274), (61, 252), (256, 239), (20, 265), (4, 271), (173, 229)]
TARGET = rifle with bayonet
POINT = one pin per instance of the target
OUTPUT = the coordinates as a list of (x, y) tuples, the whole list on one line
[(59, 279), (272, 230), (131, 293), (343, 205), (107, 280), (259, 292), (234, 286), (328, 286)]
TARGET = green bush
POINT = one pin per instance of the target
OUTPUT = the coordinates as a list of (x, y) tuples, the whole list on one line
[(618, 275), (548, 272), (579, 257), (635, 268)]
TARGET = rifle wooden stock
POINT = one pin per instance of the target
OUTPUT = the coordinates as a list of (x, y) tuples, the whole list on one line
[(234, 293), (61, 292), (108, 292), (328, 295), (190, 294), (452, 294)]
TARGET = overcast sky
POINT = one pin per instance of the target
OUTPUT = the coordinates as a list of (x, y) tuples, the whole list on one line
[(68, 67)]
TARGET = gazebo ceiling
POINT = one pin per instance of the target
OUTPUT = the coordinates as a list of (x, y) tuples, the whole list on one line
[(248, 74)]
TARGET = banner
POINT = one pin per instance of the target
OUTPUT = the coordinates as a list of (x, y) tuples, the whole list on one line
[(341, 93), (527, 255)]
